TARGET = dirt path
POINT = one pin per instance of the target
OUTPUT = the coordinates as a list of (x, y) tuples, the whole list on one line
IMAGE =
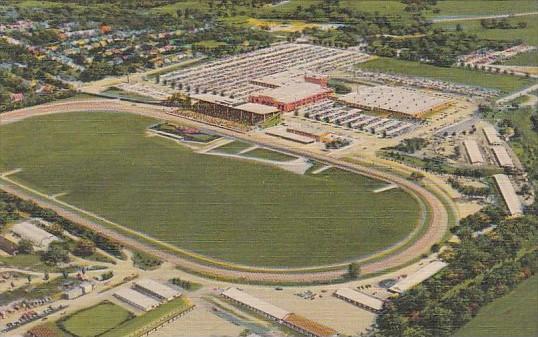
[(434, 233)]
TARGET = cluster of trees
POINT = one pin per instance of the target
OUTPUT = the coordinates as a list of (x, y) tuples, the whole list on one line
[(501, 24), (411, 145), (481, 269), (181, 283), (469, 190), (16, 204), (437, 47)]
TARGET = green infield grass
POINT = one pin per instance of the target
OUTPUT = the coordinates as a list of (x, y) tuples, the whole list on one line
[(511, 315), (501, 82), (107, 316), (235, 210)]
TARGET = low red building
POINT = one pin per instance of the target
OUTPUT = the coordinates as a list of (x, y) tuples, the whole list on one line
[(290, 97)]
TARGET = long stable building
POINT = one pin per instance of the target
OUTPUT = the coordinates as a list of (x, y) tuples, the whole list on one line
[(418, 277), (508, 194), (360, 299), (473, 151), (281, 316)]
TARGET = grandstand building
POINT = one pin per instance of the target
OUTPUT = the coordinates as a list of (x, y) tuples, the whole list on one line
[(232, 110), (292, 96)]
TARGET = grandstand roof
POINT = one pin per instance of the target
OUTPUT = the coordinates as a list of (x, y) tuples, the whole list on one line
[(509, 194), (312, 327), (418, 277), (255, 303), (256, 108), (400, 100), (360, 297), (293, 92)]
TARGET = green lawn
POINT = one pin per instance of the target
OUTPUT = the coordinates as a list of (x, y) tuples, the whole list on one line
[(528, 35), (233, 147), (230, 209), (150, 319), (528, 59), (511, 315), (96, 320), (269, 155), (483, 7), (501, 82)]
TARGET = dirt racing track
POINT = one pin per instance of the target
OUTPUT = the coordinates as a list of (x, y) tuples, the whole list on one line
[(437, 226)]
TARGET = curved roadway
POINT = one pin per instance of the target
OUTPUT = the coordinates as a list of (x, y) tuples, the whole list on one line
[(436, 228)]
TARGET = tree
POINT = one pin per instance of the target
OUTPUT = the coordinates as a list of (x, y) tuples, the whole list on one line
[(26, 247), (354, 270), (56, 229), (84, 247), (56, 254)]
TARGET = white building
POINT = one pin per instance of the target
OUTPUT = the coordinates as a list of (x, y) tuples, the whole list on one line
[(29, 230), (473, 151), (418, 277), (508, 194), (156, 289), (136, 299), (360, 299)]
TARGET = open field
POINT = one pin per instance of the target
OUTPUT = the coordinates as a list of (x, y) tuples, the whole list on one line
[(528, 59), (107, 315), (207, 204), (482, 7), (512, 315), (269, 155), (501, 82), (528, 35)]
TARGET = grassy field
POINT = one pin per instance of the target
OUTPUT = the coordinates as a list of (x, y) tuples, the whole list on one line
[(501, 82), (150, 318), (482, 7), (233, 147), (528, 35), (207, 204), (106, 314), (528, 59), (269, 155), (512, 315)]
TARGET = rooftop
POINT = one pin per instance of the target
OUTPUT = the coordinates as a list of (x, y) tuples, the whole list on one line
[(255, 303), (293, 92), (360, 297), (418, 277), (158, 288), (509, 194), (405, 101), (136, 298), (312, 327)]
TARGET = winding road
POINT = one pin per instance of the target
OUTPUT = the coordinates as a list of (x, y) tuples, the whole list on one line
[(438, 220)]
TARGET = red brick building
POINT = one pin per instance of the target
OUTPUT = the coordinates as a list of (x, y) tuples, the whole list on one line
[(290, 97)]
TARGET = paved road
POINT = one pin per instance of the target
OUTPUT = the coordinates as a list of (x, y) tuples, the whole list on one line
[(517, 94), (436, 229)]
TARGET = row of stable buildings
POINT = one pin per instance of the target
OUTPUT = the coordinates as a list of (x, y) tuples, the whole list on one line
[(286, 318), (147, 294)]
